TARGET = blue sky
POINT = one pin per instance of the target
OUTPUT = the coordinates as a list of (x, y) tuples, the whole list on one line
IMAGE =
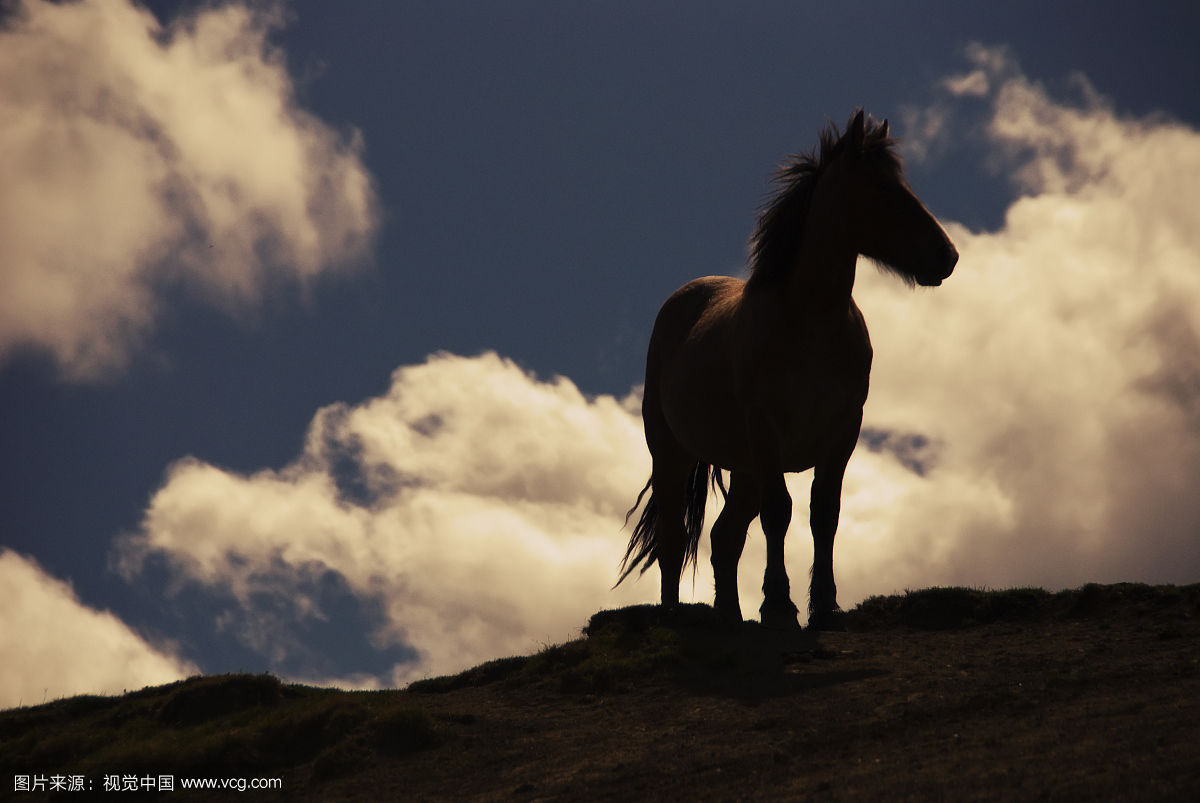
[(377, 183)]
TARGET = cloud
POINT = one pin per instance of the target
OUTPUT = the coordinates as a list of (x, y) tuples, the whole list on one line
[(1035, 421), (990, 65), (478, 507), (972, 84), (139, 157), (54, 646), (1057, 372)]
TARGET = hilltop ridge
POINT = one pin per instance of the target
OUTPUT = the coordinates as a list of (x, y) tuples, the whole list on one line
[(1093, 692)]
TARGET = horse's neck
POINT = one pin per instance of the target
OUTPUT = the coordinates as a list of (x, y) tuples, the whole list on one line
[(822, 274), (821, 279)]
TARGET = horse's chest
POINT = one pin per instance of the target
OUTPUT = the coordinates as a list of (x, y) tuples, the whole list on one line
[(826, 379), (817, 395), (812, 399)]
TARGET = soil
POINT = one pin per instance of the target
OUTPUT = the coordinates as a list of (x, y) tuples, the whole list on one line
[(937, 694)]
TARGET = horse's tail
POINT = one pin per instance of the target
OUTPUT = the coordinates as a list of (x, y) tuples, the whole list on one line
[(643, 544)]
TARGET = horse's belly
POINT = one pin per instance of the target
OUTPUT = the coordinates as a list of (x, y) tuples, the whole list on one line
[(704, 417), (716, 426)]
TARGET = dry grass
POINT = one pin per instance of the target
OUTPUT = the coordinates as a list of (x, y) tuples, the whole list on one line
[(940, 693)]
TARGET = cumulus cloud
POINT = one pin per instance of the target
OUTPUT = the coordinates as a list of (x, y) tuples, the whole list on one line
[(1036, 420), (479, 507), (139, 157), (1055, 375), (54, 646)]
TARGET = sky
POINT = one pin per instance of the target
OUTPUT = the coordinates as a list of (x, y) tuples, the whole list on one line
[(322, 326)]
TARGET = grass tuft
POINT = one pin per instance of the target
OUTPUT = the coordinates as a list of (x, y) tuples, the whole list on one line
[(405, 731)]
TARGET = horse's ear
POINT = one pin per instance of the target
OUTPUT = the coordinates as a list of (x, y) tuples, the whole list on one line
[(883, 129), (856, 131)]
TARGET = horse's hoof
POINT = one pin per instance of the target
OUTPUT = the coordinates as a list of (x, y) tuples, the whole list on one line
[(775, 619), (834, 620)]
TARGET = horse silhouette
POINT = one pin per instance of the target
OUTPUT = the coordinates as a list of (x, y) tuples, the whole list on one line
[(769, 375)]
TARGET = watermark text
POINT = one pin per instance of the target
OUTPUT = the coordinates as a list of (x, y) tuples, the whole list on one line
[(137, 783)]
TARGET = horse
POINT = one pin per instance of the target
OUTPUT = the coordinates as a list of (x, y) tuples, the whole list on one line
[(768, 375)]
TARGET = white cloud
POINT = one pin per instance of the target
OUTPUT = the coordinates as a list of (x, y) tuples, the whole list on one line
[(990, 65), (138, 157), (481, 508), (972, 84), (1036, 420), (52, 645), (1057, 372)]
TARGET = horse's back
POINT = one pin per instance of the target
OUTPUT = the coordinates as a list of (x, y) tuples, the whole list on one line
[(699, 298)]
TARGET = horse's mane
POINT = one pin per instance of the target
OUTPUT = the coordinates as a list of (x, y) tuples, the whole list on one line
[(780, 227)]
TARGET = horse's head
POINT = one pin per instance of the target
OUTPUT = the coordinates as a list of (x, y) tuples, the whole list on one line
[(886, 221)]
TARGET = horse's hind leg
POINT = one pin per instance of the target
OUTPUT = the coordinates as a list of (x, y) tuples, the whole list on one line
[(728, 539), (777, 609), (670, 477)]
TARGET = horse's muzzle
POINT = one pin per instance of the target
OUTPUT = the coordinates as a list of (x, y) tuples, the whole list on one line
[(949, 258)]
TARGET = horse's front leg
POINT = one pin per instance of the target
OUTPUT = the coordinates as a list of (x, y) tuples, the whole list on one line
[(825, 505), (728, 539), (777, 609)]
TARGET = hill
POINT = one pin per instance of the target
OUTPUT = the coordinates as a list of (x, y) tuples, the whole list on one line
[(945, 692)]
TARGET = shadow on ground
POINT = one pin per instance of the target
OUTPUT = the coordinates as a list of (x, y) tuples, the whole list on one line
[(690, 647)]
